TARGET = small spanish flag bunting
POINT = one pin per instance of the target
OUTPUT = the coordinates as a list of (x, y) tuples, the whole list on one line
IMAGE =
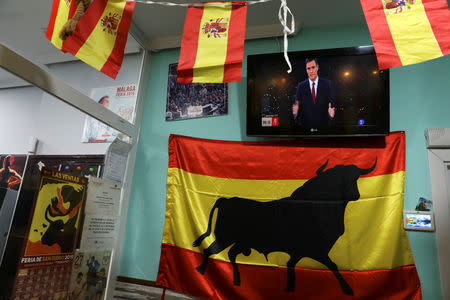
[(100, 36), (212, 46), (62, 10), (406, 32)]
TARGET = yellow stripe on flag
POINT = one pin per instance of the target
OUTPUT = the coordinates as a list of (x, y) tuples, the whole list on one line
[(374, 237), (61, 20), (99, 40), (212, 51), (412, 34)]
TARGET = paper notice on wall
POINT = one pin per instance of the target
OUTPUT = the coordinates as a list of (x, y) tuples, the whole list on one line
[(99, 232), (116, 160), (103, 197)]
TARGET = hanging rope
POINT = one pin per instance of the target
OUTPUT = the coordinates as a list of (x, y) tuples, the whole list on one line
[(283, 15), (164, 3), (163, 293), (70, 25)]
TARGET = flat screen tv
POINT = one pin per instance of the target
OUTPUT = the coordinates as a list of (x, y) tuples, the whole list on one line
[(350, 95)]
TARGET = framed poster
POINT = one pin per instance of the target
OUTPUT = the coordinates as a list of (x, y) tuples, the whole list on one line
[(57, 212), (77, 165), (194, 100), (51, 237), (89, 275), (119, 99), (11, 173), (11, 170)]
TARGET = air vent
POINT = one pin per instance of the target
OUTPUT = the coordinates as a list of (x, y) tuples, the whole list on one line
[(438, 138)]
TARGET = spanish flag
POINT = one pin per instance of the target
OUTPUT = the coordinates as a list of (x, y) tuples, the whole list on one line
[(287, 220), (212, 46), (62, 10), (101, 34), (406, 32)]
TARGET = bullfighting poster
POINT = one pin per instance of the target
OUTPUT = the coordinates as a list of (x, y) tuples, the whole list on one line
[(11, 173), (89, 275), (194, 100), (51, 238), (120, 100), (287, 220), (11, 170)]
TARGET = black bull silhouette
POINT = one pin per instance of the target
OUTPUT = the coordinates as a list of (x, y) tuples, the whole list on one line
[(305, 224), (59, 232)]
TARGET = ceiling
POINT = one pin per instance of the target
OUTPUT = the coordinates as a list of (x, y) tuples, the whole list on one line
[(23, 23), (162, 26)]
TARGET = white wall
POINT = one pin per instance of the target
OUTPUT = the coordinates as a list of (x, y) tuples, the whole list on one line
[(19, 108), (28, 111)]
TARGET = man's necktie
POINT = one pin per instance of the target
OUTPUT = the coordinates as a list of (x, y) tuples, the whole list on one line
[(314, 93)]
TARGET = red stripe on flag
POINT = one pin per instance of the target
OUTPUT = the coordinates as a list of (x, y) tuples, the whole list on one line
[(189, 44), (274, 160), (84, 27), (51, 23), (235, 43), (438, 15), (114, 62), (381, 35), (73, 8), (177, 271)]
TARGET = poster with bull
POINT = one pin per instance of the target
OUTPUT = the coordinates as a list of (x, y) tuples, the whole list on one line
[(47, 254), (287, 220)]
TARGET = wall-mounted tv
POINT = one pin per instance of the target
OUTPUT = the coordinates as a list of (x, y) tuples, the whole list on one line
[(330, 92)]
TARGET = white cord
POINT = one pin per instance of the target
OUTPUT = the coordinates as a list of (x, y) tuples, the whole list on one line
[(195, 4), (282, 15)]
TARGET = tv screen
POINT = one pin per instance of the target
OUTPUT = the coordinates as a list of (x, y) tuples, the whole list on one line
[(331, 92)]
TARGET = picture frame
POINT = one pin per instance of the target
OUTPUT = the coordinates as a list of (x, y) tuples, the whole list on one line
[(418, 220), (194, 100)]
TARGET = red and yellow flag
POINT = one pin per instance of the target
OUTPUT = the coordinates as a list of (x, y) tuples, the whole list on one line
[(406, 32), (212, 47), (62, 10), (100, 36), (287, 220)]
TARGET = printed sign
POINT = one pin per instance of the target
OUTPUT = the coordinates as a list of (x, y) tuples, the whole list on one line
[(119, 99)]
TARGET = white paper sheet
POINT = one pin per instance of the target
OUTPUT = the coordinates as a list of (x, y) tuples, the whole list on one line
[(103, 197), (116, 160), (99, 232)]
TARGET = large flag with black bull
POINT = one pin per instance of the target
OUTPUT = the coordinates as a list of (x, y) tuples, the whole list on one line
[(287, 220), (407, 32)]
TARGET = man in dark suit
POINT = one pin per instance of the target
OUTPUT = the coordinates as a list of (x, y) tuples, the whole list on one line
[(314, 104)]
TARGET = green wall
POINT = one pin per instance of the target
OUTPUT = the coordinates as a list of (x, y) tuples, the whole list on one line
[(419, 100)]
